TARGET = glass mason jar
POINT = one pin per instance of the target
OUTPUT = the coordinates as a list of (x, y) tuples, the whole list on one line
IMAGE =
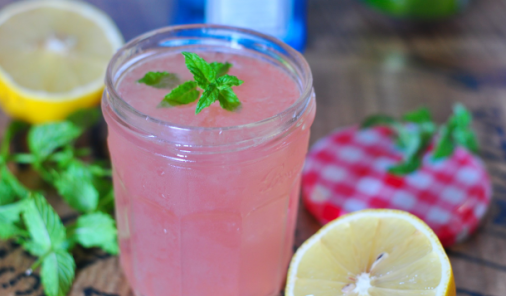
[(207, 210)]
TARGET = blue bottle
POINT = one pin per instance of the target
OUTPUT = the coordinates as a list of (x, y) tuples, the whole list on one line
[(284, 19)]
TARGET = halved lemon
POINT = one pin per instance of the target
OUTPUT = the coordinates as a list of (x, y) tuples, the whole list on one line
[(53, 57), (372, 253)]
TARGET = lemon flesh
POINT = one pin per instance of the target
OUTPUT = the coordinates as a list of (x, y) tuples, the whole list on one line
[(372, 253), (53, 57)]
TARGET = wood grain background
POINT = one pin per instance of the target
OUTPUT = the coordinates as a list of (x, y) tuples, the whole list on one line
[(362, 63)]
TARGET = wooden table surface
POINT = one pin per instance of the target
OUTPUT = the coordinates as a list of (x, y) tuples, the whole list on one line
[(362, 63)]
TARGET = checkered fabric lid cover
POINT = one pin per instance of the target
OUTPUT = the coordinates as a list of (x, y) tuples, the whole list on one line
[(347, 171)]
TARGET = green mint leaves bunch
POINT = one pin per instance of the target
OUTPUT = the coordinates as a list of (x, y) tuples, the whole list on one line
[(27, 217), (416, 132), (212, 78)]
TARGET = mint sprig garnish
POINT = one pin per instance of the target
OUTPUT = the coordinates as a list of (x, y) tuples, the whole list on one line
[(29, 220), (160, 80), (415, 133), (212, 78)]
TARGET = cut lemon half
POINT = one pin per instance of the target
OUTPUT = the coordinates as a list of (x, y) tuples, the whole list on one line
[(372, 253), (53, 57)]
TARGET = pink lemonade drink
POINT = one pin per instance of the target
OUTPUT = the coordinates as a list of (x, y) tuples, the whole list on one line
[(206, 203)]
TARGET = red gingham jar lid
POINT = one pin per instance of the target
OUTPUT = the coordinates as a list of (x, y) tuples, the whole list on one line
[(347, 171)]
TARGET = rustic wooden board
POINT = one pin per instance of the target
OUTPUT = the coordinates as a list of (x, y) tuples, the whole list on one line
[(362, 63)]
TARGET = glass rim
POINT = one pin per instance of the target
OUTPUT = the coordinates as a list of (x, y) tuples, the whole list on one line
[(306, 77)]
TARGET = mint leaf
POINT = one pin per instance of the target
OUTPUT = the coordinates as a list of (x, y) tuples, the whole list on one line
[(414, 140), (228, 80), (466, 138), (160, 79), (461, 117), (378, 120), (10, 213), (445, 145), (428, 128), (228, 99), (421, 115), (209, 96), (183, 94), (203, 72), (8, 230), (57, 273), (460, 124), (33, 248), (406, 167), (75, 185), (97, 230), (10, 188), (221, 68), (10, 218), (85, 118), (45, 227), (111, 247), (403, 134), (46, 138), (411, 142)]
